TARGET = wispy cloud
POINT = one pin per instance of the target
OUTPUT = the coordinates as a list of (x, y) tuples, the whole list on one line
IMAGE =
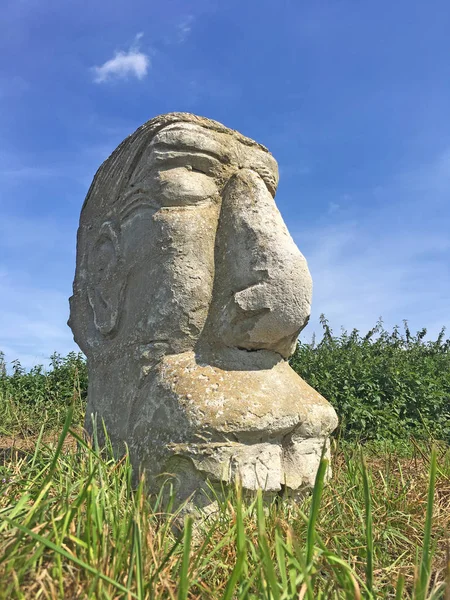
[(32, 322), (297, 170), (358, 278), (392, 261), (123, 65), (27, 172), (40, 234), (185, 28), (37, 262), (333, 207)]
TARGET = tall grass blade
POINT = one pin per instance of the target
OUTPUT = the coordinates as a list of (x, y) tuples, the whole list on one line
[(234, 577), (71, 557), (59, 447), (137, 547), (399, 587), (314, 512), (423, 580), (184, 574), (447, 570), (267, 562), (241, 544), (281, 559), (37, 448), (368, 526)]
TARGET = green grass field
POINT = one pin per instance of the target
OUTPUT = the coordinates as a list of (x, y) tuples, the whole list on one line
[(73, 526)]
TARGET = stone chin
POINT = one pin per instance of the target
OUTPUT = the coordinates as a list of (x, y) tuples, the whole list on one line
[(189, 295), (247, 416)]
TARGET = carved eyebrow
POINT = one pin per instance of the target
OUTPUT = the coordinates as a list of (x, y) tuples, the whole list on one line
[(182, 148), (134, 199)]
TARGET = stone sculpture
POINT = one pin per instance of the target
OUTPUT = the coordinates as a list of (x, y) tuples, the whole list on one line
[(188, 298)]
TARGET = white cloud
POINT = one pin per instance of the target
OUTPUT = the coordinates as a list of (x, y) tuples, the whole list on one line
[(124, 64)]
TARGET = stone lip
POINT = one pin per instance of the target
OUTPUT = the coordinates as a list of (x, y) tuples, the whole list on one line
[(263, 404), (209, 417)]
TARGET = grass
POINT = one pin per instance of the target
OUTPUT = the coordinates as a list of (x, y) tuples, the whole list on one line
[(73, 526)]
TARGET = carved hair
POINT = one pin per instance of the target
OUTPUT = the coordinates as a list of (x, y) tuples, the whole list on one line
[(120, 165), (100, 223)]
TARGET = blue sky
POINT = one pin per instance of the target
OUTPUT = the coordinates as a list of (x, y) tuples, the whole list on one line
[(352, 98)]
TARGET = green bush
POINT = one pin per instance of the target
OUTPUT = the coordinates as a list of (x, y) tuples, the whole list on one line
[(383, 385), (38, 386), (29, 399)]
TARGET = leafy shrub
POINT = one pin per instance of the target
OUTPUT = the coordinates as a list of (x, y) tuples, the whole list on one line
[(39, 386), (383, 385), (30, 398)]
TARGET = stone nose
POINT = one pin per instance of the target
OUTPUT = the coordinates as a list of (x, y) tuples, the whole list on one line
[(262, 290)]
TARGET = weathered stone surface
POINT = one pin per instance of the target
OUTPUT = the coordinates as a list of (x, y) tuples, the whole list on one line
[(189, 295)]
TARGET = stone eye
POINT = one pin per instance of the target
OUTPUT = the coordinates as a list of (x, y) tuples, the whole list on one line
[(200, 168)]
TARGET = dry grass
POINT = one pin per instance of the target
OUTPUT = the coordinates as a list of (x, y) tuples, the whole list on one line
[(72, 526)]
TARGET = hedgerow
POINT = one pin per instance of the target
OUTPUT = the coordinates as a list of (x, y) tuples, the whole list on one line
[(383, 385)]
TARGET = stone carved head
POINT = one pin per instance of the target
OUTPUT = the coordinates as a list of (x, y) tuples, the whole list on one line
[(183, 206), (184, 265)]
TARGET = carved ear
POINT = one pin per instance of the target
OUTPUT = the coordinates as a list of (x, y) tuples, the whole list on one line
[(105, 278)]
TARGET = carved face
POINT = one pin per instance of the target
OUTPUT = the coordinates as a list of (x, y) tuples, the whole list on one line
[(193, 252)]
